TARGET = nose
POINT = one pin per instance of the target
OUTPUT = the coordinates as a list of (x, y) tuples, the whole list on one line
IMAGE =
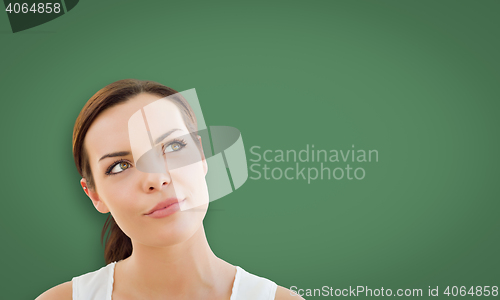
[(154, 170), (154, 182)]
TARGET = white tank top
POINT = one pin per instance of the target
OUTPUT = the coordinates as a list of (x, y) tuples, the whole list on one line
[(98, 285)]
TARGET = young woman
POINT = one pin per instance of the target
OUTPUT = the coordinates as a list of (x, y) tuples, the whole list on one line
[(157, 247)]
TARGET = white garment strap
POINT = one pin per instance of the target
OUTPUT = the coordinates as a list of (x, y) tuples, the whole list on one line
[(95, 285), (252, 287)]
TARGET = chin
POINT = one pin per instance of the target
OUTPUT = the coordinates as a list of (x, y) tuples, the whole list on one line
[(176, 232)]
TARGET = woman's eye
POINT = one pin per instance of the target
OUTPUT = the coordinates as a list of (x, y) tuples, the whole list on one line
[(120, 167), (175, 146)]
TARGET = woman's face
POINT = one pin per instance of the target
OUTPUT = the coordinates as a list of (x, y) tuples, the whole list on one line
[(129, 192)]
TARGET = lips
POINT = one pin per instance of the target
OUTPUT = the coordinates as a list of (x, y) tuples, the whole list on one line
[(163, 205)]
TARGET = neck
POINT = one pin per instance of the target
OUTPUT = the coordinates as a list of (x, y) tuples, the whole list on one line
[(175, 270)]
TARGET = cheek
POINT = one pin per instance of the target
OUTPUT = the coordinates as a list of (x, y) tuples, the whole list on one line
[(118, 194), (189, 181), (124, 207)]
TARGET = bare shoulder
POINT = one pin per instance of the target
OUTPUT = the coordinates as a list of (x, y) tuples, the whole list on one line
[(285, 294), (63, 291)]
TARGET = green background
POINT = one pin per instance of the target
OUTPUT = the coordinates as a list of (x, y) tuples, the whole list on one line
[(416, 80)]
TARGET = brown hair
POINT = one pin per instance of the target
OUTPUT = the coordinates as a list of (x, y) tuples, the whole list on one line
[(118, 245)]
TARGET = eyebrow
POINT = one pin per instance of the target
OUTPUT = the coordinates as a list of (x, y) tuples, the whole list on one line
[(114, 154), (125, 153), (163, 136)]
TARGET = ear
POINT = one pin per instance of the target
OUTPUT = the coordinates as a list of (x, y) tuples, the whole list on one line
[(203, 160), (98, 203)]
